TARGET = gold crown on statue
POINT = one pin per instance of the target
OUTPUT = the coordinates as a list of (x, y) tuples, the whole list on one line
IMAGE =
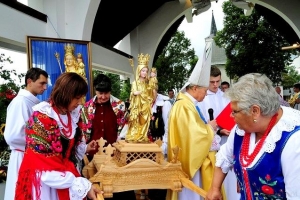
[(153, 69), (69, 49), (143, 59), (79, 55)]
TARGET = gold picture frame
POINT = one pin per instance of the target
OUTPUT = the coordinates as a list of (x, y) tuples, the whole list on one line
[(57, 56)]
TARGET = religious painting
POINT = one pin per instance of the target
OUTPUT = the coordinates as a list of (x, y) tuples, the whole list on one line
[(57, 56)]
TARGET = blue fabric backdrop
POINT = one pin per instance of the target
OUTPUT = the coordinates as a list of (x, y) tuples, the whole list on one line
[(43, 56)]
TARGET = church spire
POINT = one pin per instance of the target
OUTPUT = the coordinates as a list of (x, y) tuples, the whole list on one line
[(213, 27)]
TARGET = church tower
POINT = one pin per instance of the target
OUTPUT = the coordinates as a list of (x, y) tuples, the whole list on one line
[(213, 27), (218, 54)]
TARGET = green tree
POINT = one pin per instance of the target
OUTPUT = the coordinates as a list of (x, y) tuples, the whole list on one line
[(290, 77), (176, 62), (251, 45), (117, 87), (125, 89), (8, 86), (8, 90)]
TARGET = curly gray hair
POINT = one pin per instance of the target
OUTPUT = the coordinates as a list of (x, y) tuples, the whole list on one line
[(254, 89)]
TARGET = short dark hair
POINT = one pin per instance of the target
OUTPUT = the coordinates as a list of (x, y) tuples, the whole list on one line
[(102, 83), (68, 86), (34, 74), (170, 90), (297, 85), (215, 71), (225, 83)]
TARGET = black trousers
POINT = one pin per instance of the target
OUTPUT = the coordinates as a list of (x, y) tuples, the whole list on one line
[(128, 195), (157, 194)]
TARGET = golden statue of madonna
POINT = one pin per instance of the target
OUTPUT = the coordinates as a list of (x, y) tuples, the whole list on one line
[(141, 98)]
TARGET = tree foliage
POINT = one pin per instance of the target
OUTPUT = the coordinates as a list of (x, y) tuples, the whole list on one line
[(8, 91), (175, 64), (290, 77), (251, 45), (125, 90), (8, 86)]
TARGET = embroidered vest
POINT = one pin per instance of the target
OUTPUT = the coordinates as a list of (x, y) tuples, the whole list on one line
[(265, 177)]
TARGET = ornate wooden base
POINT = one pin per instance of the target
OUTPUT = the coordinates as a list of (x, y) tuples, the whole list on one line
[(129, 166)]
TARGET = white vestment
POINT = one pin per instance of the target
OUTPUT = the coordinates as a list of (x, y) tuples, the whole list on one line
[(187, 194), (165, 114), (18, 112), (218, 102)]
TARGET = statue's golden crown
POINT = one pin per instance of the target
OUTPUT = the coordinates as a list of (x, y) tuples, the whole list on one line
[(69, 49), (143, 59)]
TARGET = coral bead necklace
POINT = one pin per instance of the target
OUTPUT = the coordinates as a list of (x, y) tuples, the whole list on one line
[(67, 128), (246, 159)]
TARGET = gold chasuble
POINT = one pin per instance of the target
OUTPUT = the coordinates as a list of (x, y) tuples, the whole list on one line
[(194, 138), (293, 99)]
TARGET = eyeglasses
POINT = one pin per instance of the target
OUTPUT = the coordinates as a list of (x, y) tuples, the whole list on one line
[(234, 112)]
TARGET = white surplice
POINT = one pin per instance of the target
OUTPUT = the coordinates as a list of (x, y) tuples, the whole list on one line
[(18, 112), (218, 102), (290, 155), (165, 114)]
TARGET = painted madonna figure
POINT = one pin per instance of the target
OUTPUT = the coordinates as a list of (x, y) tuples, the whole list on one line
[(141, 98), (71, 63)]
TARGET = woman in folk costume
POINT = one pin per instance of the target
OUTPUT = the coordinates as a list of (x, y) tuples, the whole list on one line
[(192, 134), (102, 86), (263, 148), (53, 146), (141, 99)]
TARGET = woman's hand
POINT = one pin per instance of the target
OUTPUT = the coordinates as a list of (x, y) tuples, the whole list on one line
[(137, 92), (214, 194), (91, 146), (92, 194)]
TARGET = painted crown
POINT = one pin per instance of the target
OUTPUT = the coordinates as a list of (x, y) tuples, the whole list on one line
[(69, 49), (143, 59)]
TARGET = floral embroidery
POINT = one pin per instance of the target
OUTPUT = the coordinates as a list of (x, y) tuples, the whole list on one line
[(267, 190), (88, 113), (43, 135)]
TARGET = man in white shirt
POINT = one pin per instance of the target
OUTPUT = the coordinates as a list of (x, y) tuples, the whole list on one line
[(171, 96), (18, 112), (215, 99)]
